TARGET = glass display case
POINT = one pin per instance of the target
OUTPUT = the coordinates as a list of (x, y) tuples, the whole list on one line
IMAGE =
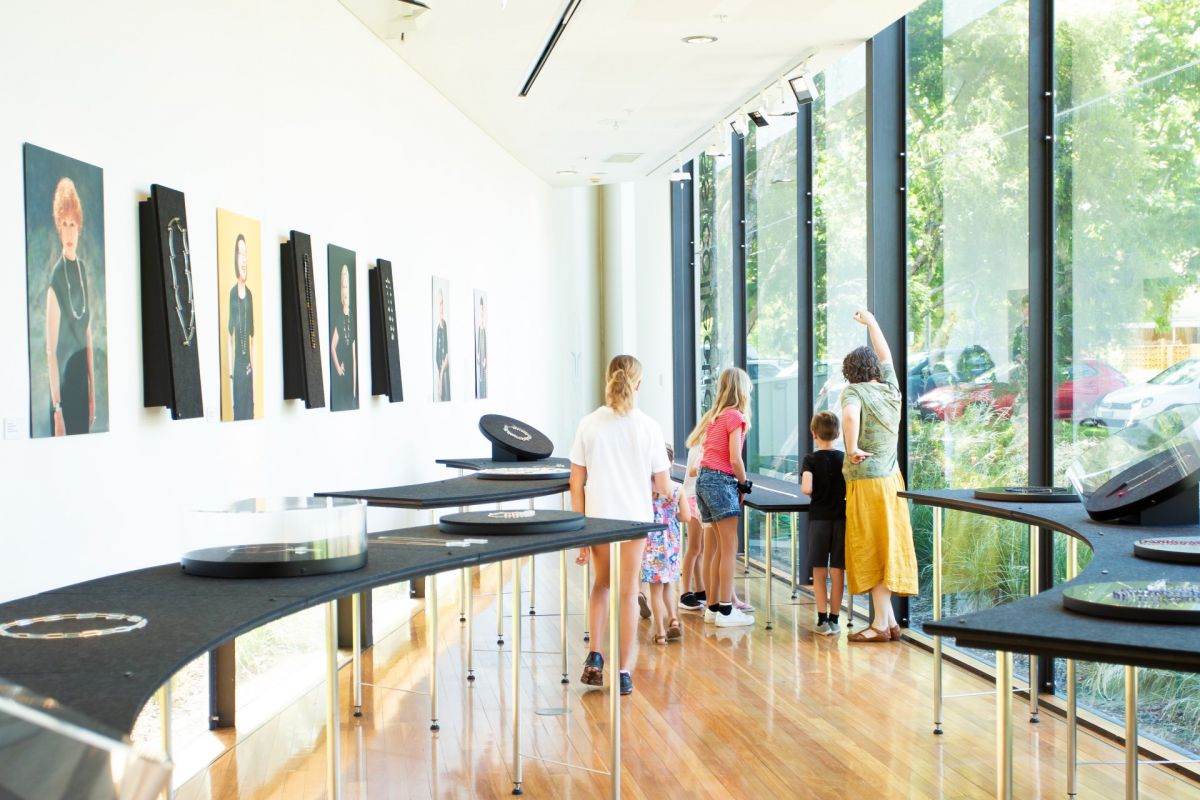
[(277, 538), (47, 751), (1146, 472)]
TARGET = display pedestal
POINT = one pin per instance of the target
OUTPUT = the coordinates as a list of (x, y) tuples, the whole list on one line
[(1182, 509)]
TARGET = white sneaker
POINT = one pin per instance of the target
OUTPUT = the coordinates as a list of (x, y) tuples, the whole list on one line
[(734, 619), (710, 616)]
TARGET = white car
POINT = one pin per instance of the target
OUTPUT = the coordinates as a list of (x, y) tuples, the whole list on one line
[(1177, 385)]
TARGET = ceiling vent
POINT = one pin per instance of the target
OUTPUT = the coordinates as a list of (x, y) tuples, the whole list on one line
[(623, 158)]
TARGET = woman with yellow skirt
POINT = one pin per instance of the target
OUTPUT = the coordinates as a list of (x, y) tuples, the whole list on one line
[(880, 557)]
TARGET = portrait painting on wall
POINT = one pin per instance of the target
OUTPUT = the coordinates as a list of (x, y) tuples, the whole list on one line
[(481, 351), (343, 330), (441, 340), (65, 284), (239, 287)]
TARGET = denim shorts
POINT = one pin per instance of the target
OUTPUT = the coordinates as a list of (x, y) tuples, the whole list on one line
[(716, 494)]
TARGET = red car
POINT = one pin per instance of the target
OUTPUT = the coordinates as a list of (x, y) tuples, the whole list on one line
[(1079, 389)]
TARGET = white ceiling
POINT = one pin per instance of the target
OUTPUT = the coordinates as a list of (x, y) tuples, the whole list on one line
[(620, 80)]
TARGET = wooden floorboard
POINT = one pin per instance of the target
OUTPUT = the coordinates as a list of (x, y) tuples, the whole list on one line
[(722, 714)]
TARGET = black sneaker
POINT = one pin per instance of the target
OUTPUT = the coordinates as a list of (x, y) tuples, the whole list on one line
[(593, 669), (626, 683), (688, 602), (644, 606)]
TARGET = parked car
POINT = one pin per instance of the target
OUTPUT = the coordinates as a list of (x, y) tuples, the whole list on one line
[(1177, 385), (1076, 392)]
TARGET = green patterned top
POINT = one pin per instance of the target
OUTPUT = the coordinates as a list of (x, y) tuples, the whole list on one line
[(879, 425)]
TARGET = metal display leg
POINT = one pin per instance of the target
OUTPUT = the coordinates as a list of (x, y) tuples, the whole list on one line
[(562, 610), (470, 625), (516, 679), (1072, 701), (1004, 734), (768, 524), (333, 772), (431, 609), (1131, 734), (356, 636), (500, 603), (614, 655), (1034, 542), (794, 520), (532, 569), (164, 714), (746, 541), (587, 600), (937, 615)]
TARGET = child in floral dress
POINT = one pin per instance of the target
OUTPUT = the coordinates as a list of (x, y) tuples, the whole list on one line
[(661, 561)]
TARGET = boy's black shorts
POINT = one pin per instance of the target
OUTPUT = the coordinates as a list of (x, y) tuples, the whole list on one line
[(827, 543)]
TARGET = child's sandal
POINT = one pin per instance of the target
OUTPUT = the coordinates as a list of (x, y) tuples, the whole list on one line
[(674, 632), (660, 638)]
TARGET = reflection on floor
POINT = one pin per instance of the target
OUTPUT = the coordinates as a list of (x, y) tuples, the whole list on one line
[(725, 713)]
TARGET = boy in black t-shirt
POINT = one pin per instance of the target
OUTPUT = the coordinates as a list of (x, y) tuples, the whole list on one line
[(821, 479)]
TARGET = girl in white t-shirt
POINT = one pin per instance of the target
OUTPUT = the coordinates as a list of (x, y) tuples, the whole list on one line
[(617, 448)]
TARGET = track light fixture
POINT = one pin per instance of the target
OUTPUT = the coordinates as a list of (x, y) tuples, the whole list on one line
[(737, 123), (804, 88), (718, 146)]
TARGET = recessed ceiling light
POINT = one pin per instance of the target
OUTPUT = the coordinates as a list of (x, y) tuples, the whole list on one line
[(566, 172), (702, 39)]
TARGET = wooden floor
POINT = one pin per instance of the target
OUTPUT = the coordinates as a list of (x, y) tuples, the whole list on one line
[(741, 713)]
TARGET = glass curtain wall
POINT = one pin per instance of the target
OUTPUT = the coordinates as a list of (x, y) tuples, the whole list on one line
[(839, 222), (714, 274), (967, 378), (772, 349), (1127, 283)]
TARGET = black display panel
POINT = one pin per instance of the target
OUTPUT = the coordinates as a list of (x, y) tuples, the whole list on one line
[(170, 347), (302, 379), (385, 344)]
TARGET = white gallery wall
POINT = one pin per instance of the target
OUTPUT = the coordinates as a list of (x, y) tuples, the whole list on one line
[(290, 112), (636, 295)]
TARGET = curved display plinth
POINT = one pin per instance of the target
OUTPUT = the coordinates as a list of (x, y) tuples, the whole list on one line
[(110, 678), (1040, 625), (474, 464), (465, 491)]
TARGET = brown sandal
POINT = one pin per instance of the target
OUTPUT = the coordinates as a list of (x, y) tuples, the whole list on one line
[(674, 632), (660, 638), (879, 638), (894, 632)]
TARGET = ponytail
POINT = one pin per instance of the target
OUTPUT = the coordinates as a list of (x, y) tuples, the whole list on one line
[(733, 391), (624, 373)]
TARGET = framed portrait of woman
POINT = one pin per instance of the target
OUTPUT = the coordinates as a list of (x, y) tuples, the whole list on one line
[(239, 287), (345, 356), (441, 339), (65, 283)]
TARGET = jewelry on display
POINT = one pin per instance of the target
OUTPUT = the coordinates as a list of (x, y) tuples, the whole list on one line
[(308, 301), (518, 433), (82, 288), (428, 542), (390, 300), (512, 514), (189, 327), (133, 620), (1160, 600), (523, 473)]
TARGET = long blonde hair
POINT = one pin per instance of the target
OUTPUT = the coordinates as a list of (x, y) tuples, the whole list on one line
[(624, 373), (733, 391)]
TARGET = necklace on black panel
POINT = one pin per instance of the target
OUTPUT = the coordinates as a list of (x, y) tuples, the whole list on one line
[(82, 287), (390, 301), (308, 301), (189, 327)]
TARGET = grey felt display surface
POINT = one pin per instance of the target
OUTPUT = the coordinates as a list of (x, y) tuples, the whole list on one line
[(770, 495), (110, 678), (1041, 626), (465, 491), (488, 463)]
